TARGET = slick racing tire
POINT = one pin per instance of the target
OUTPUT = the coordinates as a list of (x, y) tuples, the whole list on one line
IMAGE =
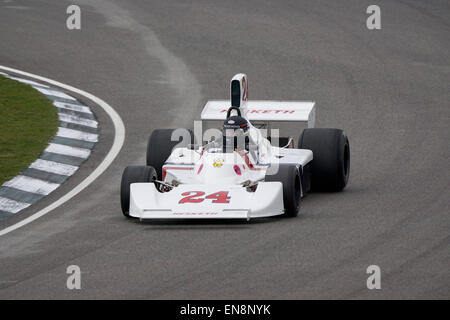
[(289, 176), (133, 174), (330, 167), (160, 146)]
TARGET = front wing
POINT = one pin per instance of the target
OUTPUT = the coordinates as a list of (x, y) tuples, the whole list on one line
[(206, 201)]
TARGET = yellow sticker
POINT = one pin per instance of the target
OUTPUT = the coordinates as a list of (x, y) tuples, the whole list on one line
[(218, 163)]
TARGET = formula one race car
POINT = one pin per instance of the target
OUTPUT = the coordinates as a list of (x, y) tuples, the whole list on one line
[(249, 168)]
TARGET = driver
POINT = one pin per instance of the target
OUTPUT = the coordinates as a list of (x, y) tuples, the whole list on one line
[(235, 134)]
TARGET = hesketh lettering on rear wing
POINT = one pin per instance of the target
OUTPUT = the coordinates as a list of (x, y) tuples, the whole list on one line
[(288, 117), (264, 110)]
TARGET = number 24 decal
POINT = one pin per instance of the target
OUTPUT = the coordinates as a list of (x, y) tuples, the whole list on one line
[(197, 197)]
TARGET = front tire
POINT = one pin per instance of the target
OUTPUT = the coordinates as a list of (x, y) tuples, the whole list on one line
[(160, 146), (330, 167), (133, 174), (289, 176)]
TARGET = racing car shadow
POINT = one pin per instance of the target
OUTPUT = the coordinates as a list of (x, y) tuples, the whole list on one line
[(218, 223)]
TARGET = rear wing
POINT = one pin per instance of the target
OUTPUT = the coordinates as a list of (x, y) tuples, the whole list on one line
[(265, 111), (288, 117)]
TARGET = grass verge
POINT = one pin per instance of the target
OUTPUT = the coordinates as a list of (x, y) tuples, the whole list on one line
[(28, 121)]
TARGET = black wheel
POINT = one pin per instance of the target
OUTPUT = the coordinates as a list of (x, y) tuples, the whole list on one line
[(160, 146), (133, 174), (289, 176), (330, 167)]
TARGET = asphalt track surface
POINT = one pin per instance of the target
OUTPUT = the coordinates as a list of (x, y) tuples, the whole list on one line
[(157, 63)]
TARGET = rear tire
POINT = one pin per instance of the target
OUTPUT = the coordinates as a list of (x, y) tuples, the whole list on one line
[(330, 167), (160, 146), (289, 176), (133, 174)]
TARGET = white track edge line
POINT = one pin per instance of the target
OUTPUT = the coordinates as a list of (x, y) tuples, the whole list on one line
[(119, 138)]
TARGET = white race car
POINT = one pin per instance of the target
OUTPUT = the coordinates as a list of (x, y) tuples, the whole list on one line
[(239, 171)]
